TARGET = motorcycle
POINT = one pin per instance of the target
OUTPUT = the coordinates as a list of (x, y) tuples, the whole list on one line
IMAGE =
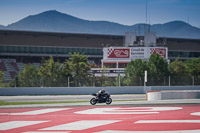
[(105, 98)]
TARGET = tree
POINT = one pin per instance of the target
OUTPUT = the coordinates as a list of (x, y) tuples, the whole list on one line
[(179, 73), (28, 77), (158, 66), (178, 68), (79, 68), (194, 69), (65, 73), (135, 72), (193, 66), (1, 79), (50, 72), (157, 69)]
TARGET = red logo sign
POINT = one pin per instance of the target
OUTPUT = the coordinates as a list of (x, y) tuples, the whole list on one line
[(160, 51), (118, 53)]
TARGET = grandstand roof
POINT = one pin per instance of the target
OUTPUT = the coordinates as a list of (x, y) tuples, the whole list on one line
[(30, 38)]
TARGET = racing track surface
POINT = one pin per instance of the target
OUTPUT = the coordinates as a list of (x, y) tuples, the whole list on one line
[(102, 119)]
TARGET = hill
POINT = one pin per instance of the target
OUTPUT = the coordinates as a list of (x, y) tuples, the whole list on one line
[(2, 27), (54, 21)]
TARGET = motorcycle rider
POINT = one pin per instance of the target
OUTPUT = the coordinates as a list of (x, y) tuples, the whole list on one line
[(101, 94)]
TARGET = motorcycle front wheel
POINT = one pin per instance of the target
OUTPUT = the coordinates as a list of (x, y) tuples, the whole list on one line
[(93, 101), (108, 101)]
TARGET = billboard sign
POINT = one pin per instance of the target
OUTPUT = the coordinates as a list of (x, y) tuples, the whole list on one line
[(161, 51), (138, 53), (118, 53), (132, 53)]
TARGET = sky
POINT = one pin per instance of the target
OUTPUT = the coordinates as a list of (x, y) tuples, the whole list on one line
[(126, 12)]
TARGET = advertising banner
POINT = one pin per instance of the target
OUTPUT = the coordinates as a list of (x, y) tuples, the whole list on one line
[(132, 53), (116, 53), (161, 51), (138, 53)]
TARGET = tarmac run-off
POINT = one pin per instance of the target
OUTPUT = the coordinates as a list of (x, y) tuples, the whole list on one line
[(102, 119)]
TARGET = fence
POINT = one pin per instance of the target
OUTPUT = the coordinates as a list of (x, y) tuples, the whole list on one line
[(111, 81)]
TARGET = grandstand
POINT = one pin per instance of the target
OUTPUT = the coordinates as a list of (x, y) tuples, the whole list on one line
[(21, 47)]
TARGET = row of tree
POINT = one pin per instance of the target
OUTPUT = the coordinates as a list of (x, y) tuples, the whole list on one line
[(159, 70), (51, 73)]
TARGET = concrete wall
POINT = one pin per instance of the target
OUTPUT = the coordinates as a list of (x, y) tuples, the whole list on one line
[(88, 90), (180, 94), (159, 88), (68, 91)]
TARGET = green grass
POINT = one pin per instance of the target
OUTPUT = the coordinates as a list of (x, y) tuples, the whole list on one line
[(55, 102), (24, 103), (50, 102)]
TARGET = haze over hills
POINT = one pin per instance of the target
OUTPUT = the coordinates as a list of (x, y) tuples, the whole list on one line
[(54, 21)]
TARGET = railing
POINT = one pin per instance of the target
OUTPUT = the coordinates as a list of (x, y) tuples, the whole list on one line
[(109, 81)]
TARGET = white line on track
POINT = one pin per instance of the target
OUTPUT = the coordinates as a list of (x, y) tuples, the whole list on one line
[(17, 124), (47, 132), (81, 125), (168, 121), (178, 131), (130, 110), (196, 113), (37, 112)]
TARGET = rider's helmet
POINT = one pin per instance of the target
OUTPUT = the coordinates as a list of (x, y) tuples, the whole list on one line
[(103, 90)]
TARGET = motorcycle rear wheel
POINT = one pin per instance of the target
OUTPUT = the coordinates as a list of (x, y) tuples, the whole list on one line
[(93, 101), (108, 101)]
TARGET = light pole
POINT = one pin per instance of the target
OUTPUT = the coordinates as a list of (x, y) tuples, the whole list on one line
[(145, 78)]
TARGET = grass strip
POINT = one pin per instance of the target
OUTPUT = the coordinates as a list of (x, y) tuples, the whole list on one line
[(2, 103)]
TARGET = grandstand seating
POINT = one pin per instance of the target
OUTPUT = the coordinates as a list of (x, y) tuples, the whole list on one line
[(12, 74), (11, 69), (15, 66), (36, 65), (2, 66), (20, 66), (7, 76)]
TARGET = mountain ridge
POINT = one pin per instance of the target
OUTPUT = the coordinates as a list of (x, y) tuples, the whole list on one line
[(54, 21)]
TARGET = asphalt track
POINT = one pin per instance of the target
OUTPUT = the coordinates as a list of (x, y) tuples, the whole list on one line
[(68, 98), (102, 119)]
